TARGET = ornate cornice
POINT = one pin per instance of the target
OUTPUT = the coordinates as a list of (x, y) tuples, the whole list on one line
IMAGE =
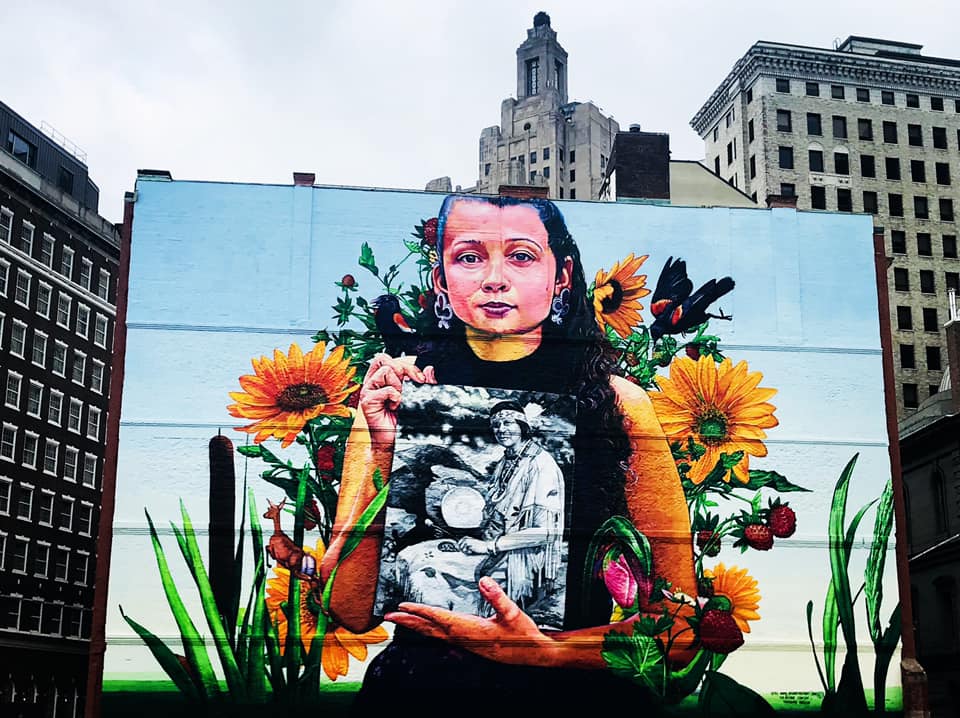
[(809, 63)]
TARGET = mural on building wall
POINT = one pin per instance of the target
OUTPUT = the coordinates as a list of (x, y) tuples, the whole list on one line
[(505, 468)]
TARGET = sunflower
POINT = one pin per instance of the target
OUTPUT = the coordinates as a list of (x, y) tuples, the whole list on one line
[(721, 406), (287, 392), (740, 588), (338, 643), (616, 295)]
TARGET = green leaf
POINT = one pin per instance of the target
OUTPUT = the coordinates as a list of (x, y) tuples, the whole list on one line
[(721, 696), (251, 451), (772, 480), (885, 648), (682, 683), (813, 646), (167, 659), (193, 644), (636, 657), (228, 660), (367, 260), (882, 526)]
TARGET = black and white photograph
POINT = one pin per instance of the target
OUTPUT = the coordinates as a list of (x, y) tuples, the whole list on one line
[(479, 487)]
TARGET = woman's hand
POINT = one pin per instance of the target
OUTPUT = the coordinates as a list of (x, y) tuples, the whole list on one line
[(473, 545), (510, 636), (383, 387)]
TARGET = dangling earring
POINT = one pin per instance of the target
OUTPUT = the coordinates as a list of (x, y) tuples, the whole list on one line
[(443, 310), (560, 306)]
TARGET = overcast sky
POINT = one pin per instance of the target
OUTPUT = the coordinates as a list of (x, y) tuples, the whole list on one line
[(380, 93)]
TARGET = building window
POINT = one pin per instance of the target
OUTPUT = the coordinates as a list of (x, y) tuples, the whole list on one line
[(886, 97), (573, 156), (44, 293), (55, 407), (836, 92), (46, 250), (726, 120), (59, 366), (533, 76), (533, 176), (936, 103), (865, 129), (546, 153), (815, 158), (96, 376), (946, 209), (952, 280), (65, 180), (103, 285), (34, 399), (93, 423), (65, 517), (533, 157), (950, 246), (4, 277), (573, 193), (79, 367), (753, 166), (546, 173), (61, 564), (557, 75), (21, 293), (89, 470), (85, 519), (86, 270), (83, 320), (904, 318), (814, 126), (22, 149), (940, 138), (20, 549), (839, 126), (930, 323), (6, 225), (920, 208), (933, 359), (716, 166), (913, 100), (788, 189), (898, 241), (907, 359), (31, 446), (890, 133), (914, 136), (73, 418), (926, 281), (39, 352), (893, 168), (18, 338), (784, 122), (6, 488), (870, 202), (66, 262), (924, 245), (749, 95), (863, 94), (486, 169), (844, 201), (786, 158), (841, 163), (45, 508), (729, 153), (867, 166), (573, 177), (901, 279), (943, 173), (918, 171), (813, 89), (750, 131), (70, 460), (25, 502), (8, 441), (818, 197), (910, 398), (12, 396), (63, 310), (51, 452), (783, 84)]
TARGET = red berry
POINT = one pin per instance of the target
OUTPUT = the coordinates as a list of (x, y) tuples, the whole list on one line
[(425, 299), (311, 515), (693, 351), (348, 280), (706, 537), (782, 521), (758, 536), (719, 632), (430, 232), (325, 456)]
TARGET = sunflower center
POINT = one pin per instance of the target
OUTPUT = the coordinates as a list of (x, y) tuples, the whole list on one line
[(712, 427), (298, 397), (612, 303)]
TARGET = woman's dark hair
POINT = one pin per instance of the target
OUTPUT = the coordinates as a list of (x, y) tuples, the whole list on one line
[(578, 359), (513, 406)]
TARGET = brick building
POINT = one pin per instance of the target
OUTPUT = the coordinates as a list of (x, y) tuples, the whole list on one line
[(869, 126), (58, 282)]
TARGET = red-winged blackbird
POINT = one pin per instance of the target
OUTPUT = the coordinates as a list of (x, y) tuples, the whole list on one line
[(398, 336), (677, 307)]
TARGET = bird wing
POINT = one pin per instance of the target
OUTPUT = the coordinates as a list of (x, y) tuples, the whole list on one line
[(673, 286)]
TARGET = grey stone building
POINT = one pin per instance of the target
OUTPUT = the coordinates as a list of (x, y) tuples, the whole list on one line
[(59, 262), (869, 126), (543, 139)]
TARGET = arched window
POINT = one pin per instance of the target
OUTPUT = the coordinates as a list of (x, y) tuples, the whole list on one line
[(938, 493)]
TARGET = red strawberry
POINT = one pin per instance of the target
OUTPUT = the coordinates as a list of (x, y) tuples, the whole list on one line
[(430, 232), (707, 537), (348, 280), (758, 536), (719, 632), (693, 351), (325, 456), (782, 521)]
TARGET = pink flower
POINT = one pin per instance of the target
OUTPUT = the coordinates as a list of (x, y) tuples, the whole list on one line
[(621, 583)]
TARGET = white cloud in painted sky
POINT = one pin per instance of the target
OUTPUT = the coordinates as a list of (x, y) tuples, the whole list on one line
[(377, 92)]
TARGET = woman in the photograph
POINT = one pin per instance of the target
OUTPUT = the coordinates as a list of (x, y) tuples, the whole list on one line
[(511, 311), (522, 530)]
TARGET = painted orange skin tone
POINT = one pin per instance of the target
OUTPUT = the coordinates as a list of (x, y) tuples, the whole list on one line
[(501, 277)]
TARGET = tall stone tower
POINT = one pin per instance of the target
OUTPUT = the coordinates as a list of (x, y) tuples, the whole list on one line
[(543, 139)]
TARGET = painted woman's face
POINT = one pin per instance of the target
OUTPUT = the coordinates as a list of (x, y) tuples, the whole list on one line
[(506, 430), (500, 273)]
